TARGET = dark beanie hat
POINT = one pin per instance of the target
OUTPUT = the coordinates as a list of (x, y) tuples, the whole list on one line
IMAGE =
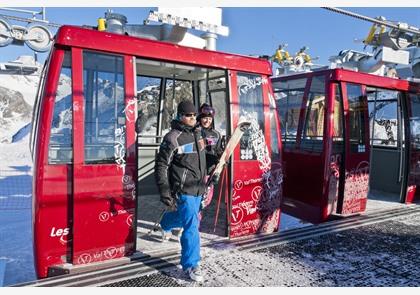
[(186, 107)]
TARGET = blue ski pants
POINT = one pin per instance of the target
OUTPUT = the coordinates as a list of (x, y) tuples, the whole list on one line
[(186, 216)]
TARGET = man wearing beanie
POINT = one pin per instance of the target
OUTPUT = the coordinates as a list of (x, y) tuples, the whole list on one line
[(180, 173)]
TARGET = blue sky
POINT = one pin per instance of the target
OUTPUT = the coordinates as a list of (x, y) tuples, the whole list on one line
[(255, 31)]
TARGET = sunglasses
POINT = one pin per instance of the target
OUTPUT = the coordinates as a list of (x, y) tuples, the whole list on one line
[(207, 111), (190, 115)]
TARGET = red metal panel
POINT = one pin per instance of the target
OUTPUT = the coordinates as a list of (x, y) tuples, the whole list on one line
[(303, 185), (327, 147), (307, 173), (130, 174), (369, 79), (51, 189), (78, 107), (255, 208), (358, 78), (270, 200), (413, 177), (92, 39), (104, 194), (335, 164)]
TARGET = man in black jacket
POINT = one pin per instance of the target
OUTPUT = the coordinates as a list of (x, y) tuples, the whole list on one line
[(180, 173)]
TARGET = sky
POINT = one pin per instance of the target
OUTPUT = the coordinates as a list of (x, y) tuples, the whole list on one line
[(253, 30)]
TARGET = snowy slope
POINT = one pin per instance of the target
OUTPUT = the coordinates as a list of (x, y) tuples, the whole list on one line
[(17, 96), (26, 85)]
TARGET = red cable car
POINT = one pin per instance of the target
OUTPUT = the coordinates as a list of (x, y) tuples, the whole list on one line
[(347, 136), (93, 173)]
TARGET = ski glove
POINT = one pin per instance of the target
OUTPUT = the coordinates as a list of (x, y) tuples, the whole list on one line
[(169, 201)]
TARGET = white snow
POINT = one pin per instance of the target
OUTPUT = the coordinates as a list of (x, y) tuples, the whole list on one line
[(26, 85), (15, 154)]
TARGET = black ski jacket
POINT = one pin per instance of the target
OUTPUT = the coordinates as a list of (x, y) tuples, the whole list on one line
[(214, 148), (181, 162)]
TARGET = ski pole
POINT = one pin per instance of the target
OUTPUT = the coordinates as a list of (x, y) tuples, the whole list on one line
[(219, 197), (154, 228)]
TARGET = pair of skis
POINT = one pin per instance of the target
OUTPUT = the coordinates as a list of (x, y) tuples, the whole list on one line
[(233, 141)]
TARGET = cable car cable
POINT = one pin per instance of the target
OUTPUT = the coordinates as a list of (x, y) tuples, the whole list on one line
[(22, 19), (410, 29)]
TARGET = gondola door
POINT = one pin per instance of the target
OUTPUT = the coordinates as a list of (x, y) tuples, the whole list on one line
[(353, 197), (256, 180), (304, 107), (104, 157)]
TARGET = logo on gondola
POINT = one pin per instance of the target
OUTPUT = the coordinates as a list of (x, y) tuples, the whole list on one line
[(256, 193), (237, 215), (129, 220), (84, 258), (126, 179), (60, 232), (238, 185), (103, 216), (110, 252)]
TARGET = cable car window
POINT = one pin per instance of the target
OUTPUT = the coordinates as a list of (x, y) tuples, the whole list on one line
[(357, 109), (174, 93), (218, 101), (214, 80), (251, 106), (383, 116), (148, 97), (289, 95), (313, 130), (61, 136), (415, 121), (217, 83), (103, 85), (212, 90)]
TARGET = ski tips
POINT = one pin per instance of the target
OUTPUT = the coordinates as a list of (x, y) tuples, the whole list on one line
[(244, 123), (243, 120)]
